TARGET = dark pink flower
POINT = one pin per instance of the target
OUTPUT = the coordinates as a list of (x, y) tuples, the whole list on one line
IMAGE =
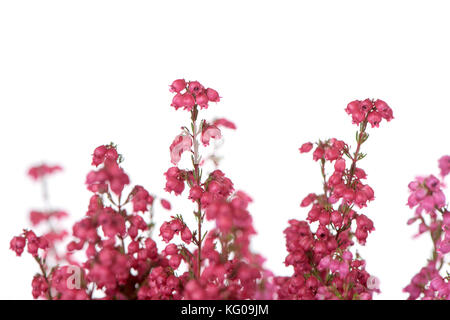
[(180, 144), (374, 119), (17, 245), (444, 165), (213, 95), (306, 147), (178, 85), (222, 122), (384, 110), (195, 87), (208, 132), (42, 171), (166, 204)]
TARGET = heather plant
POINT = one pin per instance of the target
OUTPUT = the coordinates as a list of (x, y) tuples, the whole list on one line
[(46, 219), (321, 249), (205, 251), (112, 252), (433, 216)]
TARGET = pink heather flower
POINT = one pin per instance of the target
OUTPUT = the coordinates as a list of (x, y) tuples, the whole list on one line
[(141, 199), (339, 165), (113, 224), (214, 187), (332, 154), (313, 214), (373, 283), (318, 153), (213, 95), (384, 110), (360, 173), (222, 122), (116, 176), (347, 256), (186, 235), (444, 245), (202, 100), (39, 286), (366, 105), (432, 183), (353, 107), (111, 153), (446, 219), (358, 110), (324, 218), (166, 204), (17, 245), (136, 223), (444, 165), (357, 117), (171, 249), (133, 247), (349, 195), (360, 198), (374, 119), (195, 87), (181, 144), (308, 200), (343, 269), (174, 261), (306, 147), (178, 85), (324, 263), (36, 217), (175, 180), (439, 199), (166, 232), (195, 193), (99, 155), (188, 101), (206, 199), (438, 284), (34, 243), (43, 170), (208, 132), (336, 218), (177, 101), (102, 153)]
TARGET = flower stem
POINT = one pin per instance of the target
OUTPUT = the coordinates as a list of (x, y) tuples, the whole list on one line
[(197, 177)]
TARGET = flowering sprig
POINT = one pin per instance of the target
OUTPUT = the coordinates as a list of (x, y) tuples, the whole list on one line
[(44, 248), (432, 212), (222, 265), (324, 266), (122, 261)]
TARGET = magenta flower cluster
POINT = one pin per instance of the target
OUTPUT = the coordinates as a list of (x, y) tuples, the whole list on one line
[(111, 252), (433, 216)]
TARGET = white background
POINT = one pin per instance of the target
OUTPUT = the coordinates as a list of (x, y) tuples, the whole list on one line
[(77, 74)]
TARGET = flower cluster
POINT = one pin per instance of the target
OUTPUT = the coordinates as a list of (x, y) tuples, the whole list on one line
[(114, 253), (42, 171), (192, 93), (320, 249), (432, 214), (122, 261), (370, 111), (45, 219), (31, 241), (221, 264), (110, 176)]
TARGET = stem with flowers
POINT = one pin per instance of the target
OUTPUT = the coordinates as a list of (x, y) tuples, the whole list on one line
[(432, 212), (324, 266), (197, 176)]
